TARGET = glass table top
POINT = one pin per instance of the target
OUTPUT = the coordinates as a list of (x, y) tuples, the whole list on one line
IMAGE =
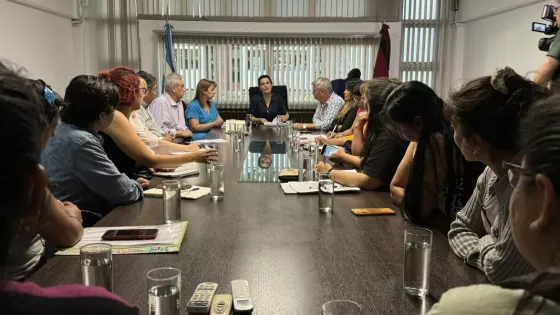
[(263, 162)]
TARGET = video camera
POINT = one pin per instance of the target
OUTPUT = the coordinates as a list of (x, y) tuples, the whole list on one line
[(548, 14)]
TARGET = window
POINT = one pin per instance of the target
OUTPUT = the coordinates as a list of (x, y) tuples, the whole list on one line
[(235, 63), (418, 42)]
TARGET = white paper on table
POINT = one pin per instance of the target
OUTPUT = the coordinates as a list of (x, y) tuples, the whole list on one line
[(219, 140), (167, 234), (195, 192), (312, 187), (288, 190), (178, 172), (306, 138)]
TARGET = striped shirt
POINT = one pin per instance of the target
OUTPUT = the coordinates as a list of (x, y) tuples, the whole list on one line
[(492, 251), (28, 298), (326, 113)]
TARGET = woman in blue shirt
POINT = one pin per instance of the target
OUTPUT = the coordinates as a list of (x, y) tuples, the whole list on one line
[(267, 105), (201, 114)]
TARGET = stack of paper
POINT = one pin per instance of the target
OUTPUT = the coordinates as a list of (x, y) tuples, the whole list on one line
[(291, 188), (194, 193), (168, 240)]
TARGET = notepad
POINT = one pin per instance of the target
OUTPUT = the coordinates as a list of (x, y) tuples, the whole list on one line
[(195, 192), (168, 240)]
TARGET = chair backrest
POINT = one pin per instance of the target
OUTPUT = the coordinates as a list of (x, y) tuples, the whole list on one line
[(281, 90), (338, 86)]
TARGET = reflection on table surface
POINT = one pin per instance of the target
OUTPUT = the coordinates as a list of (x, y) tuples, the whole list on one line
[(263, 162)]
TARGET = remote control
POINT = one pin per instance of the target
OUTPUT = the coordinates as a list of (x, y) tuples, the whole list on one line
[(241, 297), (221, 305), (201, 300)]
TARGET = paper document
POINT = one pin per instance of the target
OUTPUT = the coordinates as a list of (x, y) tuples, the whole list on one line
[(169, 239), (312, 188), (178, 172), (195, 192), (211, 141)]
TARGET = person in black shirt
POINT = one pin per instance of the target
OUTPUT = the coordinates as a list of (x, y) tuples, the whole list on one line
[(381, 153), (267, 105), (345, 118)]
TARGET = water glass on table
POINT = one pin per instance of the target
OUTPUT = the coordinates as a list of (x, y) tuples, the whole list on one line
[(308, 168), (326, 193), (164, 291), (234, 141), (341, 307), (295, 141), (171, 201), (417, 260), (97, 265), (290, 129), (217, 181), (214, 147), (248, 124), (240, 128)]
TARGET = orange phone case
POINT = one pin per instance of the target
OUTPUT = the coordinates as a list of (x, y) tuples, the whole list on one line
[(372, 211)]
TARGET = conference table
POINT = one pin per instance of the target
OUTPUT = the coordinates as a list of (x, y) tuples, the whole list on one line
[(294, 257)]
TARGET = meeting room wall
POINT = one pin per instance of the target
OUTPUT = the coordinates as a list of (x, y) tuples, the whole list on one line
[(39, 41), (493, 34), (149, 38)]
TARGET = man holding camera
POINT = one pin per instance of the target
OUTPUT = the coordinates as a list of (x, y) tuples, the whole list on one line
[(549, 69)]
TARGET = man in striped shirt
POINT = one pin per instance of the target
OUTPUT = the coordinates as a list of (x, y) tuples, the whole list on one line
[(329, 106)]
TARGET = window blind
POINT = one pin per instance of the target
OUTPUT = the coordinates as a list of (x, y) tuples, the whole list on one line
[(235, 63)]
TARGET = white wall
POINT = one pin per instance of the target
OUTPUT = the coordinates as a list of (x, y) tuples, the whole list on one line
[(41, 42), (485, 44), (149, 39)]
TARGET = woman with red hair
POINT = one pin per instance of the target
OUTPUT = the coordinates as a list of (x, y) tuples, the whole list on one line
[(121, 143)]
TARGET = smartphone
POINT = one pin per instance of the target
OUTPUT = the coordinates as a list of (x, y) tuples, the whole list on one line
[(329, 150), (373, 211), (127, 235)]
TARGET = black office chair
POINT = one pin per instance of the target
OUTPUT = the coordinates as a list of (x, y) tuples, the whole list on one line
[(281, 90)]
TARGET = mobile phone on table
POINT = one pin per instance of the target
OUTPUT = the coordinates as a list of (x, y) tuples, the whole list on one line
[(128, 235), (329, 150)]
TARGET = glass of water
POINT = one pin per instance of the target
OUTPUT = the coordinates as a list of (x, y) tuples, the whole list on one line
[(217, 181), (234, 142), (164, 291), (295, 141), (417, 260), (326, 193), (341, 307), (308, 168), (97, 265), (215, 147), (290, 129), (248, 124), (240, 128), (171, 201)]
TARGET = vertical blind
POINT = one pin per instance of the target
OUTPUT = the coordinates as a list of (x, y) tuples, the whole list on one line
[(273, 9), (235, 63), (425, 52)]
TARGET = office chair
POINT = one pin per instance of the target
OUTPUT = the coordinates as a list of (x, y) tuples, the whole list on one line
[(281, 90)]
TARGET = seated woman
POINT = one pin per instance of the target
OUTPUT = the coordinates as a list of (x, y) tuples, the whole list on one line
[(123, 145), (202, 114), (267, 105), (345, 118), (60, 225), (350, 151), (433, 180), (534, 220), (485, 114), (382, 152), (23, 202), (78, 168)]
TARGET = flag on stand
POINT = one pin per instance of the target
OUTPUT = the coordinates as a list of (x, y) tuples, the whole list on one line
[(381, 69)]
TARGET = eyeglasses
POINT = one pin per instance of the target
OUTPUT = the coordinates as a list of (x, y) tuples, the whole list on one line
[(514, 172), (143, 91)]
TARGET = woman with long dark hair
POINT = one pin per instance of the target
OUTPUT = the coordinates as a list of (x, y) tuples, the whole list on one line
[(381, 153), (266, 106), (534, 217), (433, 181), (485, 114)]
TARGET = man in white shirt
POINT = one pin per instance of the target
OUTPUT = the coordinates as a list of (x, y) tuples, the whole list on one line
[(329, 106), (144, 114)]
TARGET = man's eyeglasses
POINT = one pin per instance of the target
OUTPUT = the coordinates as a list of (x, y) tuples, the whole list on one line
[(514, 172), (143, 91)]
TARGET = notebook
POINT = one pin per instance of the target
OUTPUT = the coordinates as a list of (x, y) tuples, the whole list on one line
[(178, 172), (193, 193)]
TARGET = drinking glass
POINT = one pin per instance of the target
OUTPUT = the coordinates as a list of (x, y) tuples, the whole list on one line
[(308, 168), (326, 193), (341, 307), (97, 265), (417, 260), (248, 124), (164, 291), (295, 141), (290, 129), (217, 181), (215, 147), (171, 201), (240, 128), (235, 143)]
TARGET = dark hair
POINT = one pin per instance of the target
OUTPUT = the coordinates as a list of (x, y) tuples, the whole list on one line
[(151, 81), (354, 74), (491, 107), (263, 77), (51, 112), (356, 91), (126, 80), (351, 84), (416, 99), (22, 126), (378, 91), (86, 97)]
